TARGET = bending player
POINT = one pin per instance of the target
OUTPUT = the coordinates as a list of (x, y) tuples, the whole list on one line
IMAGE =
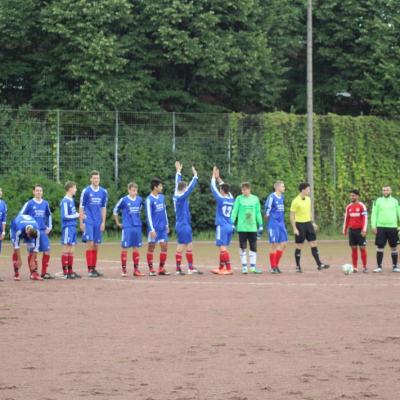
[(130, 206), (355, 225), (92, 216), (157, 226), (25, 227), (247, 212), (183, 226), (69, 217), (3, 219), (223, 225), (39, 209), (275, 219)]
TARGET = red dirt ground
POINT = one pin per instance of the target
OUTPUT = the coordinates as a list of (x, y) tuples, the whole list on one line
[(315, 336)]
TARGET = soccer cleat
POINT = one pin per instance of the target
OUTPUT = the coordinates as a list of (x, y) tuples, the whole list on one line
[(152, 272), (17, 277), (274, 271), (136, 272), (299, 270), (35, 277), (255, 270), (179, 272), (123, 272), (47, 276), (94, 274), (395, 268), (245, 270), (322, 266), (378, 269), (355, 270), (163, 271), (217, 271), (365, 270), (226, 272), (194, 271), (75, 275), (70, 276), (279, 271)]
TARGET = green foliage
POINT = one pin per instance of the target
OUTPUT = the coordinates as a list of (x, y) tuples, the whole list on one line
[(349, 153)]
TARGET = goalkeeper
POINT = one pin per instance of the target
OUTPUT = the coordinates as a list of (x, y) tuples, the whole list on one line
[(246, 215)]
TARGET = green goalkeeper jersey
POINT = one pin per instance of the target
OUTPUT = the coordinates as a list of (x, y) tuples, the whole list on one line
[(247, 212), (385, 213)]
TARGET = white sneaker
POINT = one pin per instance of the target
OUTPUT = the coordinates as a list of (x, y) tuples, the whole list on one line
[(378, 269), (194, 271), (396, 269), (245, 270)]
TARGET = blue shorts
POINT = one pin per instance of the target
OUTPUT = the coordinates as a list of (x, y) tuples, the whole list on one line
[(277, 234), (44, 242), (161, 236), (92, 233), (68, 236), (184, 234), (223, 235), (131, 237)]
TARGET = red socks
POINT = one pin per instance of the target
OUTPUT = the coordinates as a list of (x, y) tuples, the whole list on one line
[(135, 258), (91, 259), (189, 258), (354, 257), (149, 257), (65, 262), (163, 259), (15, 262), (124, 258), (275, 258), (178, 259), (224, 260), (45, 263)]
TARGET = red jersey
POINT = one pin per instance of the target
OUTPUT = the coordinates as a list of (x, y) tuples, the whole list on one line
[(355, 217)]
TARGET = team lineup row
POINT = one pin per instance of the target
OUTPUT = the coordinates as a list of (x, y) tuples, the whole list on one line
[(242, 214)]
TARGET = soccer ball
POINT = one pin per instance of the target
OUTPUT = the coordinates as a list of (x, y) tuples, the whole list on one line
[(347, 269)]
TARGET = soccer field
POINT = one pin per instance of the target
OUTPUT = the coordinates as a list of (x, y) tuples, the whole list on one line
[(310, 336)]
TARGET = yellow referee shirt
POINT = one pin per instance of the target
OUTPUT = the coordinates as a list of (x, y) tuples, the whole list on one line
[(301, 208)]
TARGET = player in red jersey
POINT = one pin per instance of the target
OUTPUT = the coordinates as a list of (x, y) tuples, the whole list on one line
[(355, 225)]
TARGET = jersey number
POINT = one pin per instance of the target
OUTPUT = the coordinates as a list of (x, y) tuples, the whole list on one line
[(227, 210)]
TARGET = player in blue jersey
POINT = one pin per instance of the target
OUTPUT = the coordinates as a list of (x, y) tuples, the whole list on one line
[(183, 225), (92, 217), (69, 217), (275, 219), (224, 227), (26, 228), (130, 206), (157, 226), (3, 219), (39, 209)]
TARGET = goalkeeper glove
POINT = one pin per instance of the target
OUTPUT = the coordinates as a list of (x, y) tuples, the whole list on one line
[(260, 232)]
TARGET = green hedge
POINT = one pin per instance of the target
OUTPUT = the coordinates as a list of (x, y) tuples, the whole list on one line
[(359, 152)]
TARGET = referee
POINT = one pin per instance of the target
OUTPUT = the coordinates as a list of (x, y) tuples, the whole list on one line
[(303, 226), (384, 222)]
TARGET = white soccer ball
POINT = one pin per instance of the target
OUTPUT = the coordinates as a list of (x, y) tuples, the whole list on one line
[(347, 269)]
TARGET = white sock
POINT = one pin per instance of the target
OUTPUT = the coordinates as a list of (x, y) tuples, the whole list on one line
[(243, 257), (253, 258)]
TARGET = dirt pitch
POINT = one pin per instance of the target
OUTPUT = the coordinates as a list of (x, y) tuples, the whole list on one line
[(315, 336)]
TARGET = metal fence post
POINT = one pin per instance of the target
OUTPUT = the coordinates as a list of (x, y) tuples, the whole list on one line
[(173, 132), (116, 148), (58, 147), (229, 144)]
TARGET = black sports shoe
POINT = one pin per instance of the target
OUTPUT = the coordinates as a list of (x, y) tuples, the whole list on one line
[(299, 270), (95, 274), (279, 271), (323, 266), (274, 271), (179, 272), (76, 276), (47, 276)]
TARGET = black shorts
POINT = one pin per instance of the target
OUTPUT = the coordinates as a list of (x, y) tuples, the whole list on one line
[(384, 235), (355, 238), (306, 231), (251, 237)]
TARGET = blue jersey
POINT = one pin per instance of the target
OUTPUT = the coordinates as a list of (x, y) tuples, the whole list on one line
[(275, 210), (181, 201), (224, 206), (156, 213), (18, 230), (92, 202), (131, 209), (3, 213), (68, 212), (40, 211)]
